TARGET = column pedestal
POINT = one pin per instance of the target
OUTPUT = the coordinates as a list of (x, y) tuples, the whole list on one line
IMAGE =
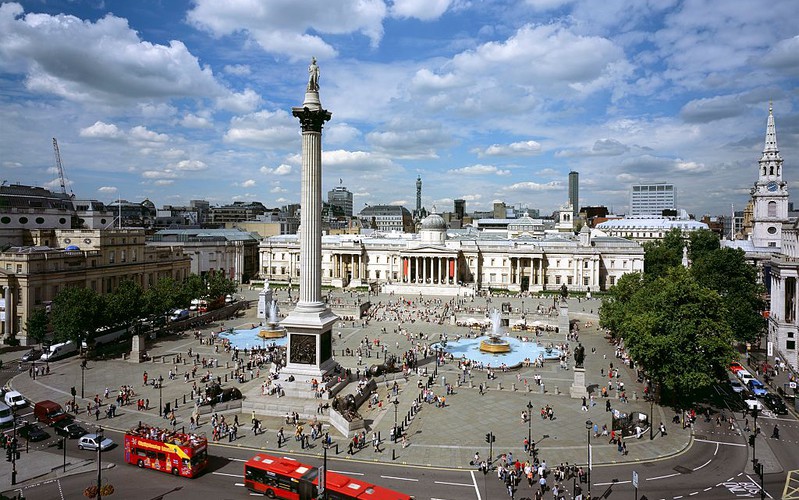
[(563, 318), (578, 389)]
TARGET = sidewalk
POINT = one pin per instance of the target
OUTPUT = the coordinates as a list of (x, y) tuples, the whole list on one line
[(444, 437)]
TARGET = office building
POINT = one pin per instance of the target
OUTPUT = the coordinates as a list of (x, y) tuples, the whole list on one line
[(651, 199), (574, 192), (340, 197)]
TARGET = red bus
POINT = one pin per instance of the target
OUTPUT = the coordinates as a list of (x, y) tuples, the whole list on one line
[(291, 480), (177, 453)]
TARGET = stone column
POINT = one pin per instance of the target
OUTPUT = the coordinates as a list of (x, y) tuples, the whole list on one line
[(309, 352)]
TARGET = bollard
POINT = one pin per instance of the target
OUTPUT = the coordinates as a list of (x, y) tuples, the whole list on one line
[(163, 359), (542, 388), (393, 454), (499, 386), (184, 399), (557, 391), (176, 403), (529, 388), (635, 396), (226, 377), (471, 385), (513, 386), (336, 448)]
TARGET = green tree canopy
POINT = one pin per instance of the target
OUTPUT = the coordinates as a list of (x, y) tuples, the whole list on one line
[(702, 243), (679, 331), (615, 306), (124, 305), (164, 295), (661, 255), (76, 312), (726, 271), (36, 325)]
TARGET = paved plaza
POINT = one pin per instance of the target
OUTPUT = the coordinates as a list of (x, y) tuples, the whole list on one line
[(445, 436)]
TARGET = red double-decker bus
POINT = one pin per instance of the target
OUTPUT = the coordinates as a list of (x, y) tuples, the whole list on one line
[(177, 453), (291, 480)]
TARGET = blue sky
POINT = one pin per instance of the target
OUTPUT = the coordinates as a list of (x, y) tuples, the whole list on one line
[(486, 100)]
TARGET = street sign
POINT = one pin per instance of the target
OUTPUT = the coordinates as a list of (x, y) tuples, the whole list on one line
[(321, 477), (635, 479)]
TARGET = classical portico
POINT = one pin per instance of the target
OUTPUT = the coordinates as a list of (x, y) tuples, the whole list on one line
[(430, 267), (348, 268)]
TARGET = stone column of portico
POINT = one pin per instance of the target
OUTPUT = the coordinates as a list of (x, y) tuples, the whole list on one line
[(309, 348)]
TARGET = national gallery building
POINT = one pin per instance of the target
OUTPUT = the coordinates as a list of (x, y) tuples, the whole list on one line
[(438, 261)]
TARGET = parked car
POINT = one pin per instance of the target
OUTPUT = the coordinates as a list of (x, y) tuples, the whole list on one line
[(775, 404), (32, 355), (736, 386), (32, 432), (757, 387), (69, 429), (744, 376), (15, 400), (735, 367), (752, 403), (49, 412), (90, 442)]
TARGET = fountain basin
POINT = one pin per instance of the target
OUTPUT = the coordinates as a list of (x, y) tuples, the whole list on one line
[(494, 345), (519, 351), (251, 338)]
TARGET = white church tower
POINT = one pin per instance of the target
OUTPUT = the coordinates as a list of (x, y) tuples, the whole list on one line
[(770, 193)]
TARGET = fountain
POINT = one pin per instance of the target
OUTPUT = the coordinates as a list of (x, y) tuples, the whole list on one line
[(495, 343), (273, 328)]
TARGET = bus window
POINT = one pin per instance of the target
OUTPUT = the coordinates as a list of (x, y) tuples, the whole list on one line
[(161, 457), (151, 455)]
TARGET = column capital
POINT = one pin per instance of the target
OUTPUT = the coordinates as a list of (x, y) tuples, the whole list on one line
[(311, 120)]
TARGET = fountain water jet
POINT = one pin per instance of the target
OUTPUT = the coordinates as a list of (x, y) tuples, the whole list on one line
[(273, 328), (495, 343)]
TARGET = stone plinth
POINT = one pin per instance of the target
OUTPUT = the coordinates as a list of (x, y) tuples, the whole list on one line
[(578, 389), (563, 318), (137, 348)]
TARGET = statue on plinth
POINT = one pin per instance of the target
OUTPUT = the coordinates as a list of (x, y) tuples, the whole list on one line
[(313, 76), (564, 292), (579, 355)]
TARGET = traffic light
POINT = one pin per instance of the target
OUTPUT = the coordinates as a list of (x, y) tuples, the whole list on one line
[(8, 454), (759, 469), (488, 437), (73, 392), (752, 440)]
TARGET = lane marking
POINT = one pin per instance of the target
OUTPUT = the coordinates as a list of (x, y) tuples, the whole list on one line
[(347, 472), (476, 488), (662, 477), (238, 484), (401, 478), (226, 474), (717, 449), (236, 459), (720, 442), (451, 484), (758, 486), (612, 482), (704, 464)]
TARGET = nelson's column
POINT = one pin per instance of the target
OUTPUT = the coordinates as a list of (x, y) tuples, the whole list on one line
[(309, 348)]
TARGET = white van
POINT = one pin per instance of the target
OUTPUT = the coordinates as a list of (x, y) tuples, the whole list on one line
[(15, 400), (105, 335), (57, 351), (6, 416), (179, 315)]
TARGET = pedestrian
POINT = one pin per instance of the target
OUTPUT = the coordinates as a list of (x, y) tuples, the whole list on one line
[(585, 404), (97, 412)]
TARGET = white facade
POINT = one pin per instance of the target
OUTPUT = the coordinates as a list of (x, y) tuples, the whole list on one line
[(643, 229), (651, 199), (459, 262)]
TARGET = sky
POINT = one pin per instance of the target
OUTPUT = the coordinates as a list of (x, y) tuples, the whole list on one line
[(486, 100)]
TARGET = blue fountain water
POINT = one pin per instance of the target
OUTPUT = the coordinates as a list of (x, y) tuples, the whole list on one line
[(248, 338)]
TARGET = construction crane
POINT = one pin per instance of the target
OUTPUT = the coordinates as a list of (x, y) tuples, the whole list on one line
[(60, 169)]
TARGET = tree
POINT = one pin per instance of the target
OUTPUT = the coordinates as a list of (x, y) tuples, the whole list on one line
[(164, 295), (219, 285), (615, 306), (76, 312), (726, 271), (680, 332), (661, 255), (702, 243), (124, 305), (36, 325)]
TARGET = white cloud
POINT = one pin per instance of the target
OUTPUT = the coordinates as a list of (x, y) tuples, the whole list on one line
[(425, 10), (358, 161), (278, 189), (242, 102), (533, 187), (264, 129), (479, 170), (191, 165), (524, 148), (282, 169), (248, 183), (12, 164), (601, 147), (142, 134), (107, 189), (163, 182), (294, 29), (101, 130), (159, 174), (195, 121), (237, 69), (97, 61)]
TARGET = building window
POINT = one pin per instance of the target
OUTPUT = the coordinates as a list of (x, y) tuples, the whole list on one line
[(790, 345), (772, 209), (612, 280), (585, 281), (570, 280), (557, 280), (111, 257)]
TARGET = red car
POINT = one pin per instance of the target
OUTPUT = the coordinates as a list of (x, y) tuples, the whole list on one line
[(736, 367)]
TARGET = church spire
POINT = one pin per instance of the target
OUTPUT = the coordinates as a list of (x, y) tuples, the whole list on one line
[(770, 163)]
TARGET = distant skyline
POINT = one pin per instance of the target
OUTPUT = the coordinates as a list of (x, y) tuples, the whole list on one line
[(491, 100)]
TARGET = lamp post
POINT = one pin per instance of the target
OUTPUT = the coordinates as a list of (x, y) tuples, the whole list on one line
[(651, 416), (323, 476), (588, 426), (82, 377), (160, 396), (13, 446), (530, 427), (394, 432), (99, 458)]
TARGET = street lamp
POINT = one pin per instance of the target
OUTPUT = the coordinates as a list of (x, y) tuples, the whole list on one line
[(323, 477), (394, 433), (588, 426), (99, 458), (82, 377), (13, 446), (529, 427), (160, 396), (651, 416)]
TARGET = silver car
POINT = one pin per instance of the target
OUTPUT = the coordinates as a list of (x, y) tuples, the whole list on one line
[(89, 442)]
